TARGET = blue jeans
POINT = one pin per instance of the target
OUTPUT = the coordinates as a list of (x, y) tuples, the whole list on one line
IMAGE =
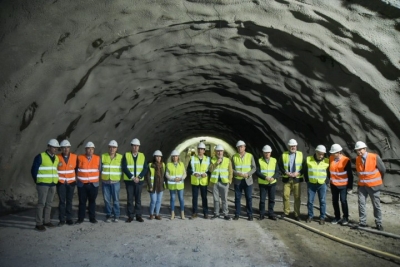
[(111, 193), (270, 189), (65, 193), (195, 194), (180, 196), (238, 195), (312, 190), (155, 202)]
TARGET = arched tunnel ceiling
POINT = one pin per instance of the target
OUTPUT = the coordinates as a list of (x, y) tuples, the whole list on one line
[(166, 71)]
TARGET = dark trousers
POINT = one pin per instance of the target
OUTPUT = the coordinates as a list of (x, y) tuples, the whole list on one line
[(248, 189), (85, 193), (195, 194), (270, 189), (65, 194), (133, 191), (342, 194)]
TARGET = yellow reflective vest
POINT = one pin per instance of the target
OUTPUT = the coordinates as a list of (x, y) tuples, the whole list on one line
[(175, 172), (317, 172), (222, 171), (199, 168), (140, 161), (111, 168), (268, 169), (242, 165), (47, 173)]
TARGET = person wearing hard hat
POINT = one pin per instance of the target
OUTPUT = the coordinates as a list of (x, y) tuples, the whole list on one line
[(88, 174), (66, 183), (268, 173), (111, 174), (155, 184), (176, 175), (198, 171), (45, 175), (221, 177), (135, 169), (316, 175), (243, 166), (370, 170), (341, 180), (290, 166)]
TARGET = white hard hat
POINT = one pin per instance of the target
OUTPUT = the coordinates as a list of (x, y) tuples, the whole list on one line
[(240, 143), (174, 153), (157, 153), (219, 147), (53, 143), (267, 148), (321, 148), (201, 145), (65, 143), (113, 143), (335, 148), (89, 144), (292, 142), (135, 141), (360, 145)]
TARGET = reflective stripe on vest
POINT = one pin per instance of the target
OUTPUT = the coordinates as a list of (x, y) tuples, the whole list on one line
[(242, 165), (66, 171), (317, 171), (88, 171), (111, 167), (268, 169), (298, 162), (140, 160), (152, 171), (200, 169), (222, 170), (369, 174), (47, 173), (175, 172), (339, 175)]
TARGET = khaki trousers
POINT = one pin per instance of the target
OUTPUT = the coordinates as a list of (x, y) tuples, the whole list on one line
[(287, 189)]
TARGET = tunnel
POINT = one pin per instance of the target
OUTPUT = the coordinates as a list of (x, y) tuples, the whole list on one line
[(321, 72)]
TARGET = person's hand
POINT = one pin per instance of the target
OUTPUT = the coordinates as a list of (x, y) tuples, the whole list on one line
[(245, 175), (197, 174), (136, 180), (203, 175), (219, 160)]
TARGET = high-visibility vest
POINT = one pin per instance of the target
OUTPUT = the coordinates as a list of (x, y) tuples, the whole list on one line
[(152, 171), (200, 169), (339, 176), (111, 167), (66, 171), (222, 171), (369, 174), (298, 162), (268, 169), (175, 172), (317, 171), (242, 165), (88, 171), (47, 173), (140, 161)]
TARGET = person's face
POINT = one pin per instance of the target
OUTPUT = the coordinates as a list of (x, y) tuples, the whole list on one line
[(241, 149), (292, 149), (135, 149), (89, 151), (267, 155), (112, 150), (52, 150), (219, 153), (158, 159), (175, 159), (336, 155), (361, 151), (65, 150), (319, 155), (201, 151)]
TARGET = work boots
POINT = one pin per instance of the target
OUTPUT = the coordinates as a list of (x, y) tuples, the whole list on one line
[(182, 215), (172, 215)]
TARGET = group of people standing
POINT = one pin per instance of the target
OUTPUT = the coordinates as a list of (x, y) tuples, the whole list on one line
[(62, 172)]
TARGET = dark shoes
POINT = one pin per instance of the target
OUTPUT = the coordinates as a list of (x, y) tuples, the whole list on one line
[(139, 219), (345, 221), (227, 218), (322, 221), (283, 215), (130, 219), (70, 222), (79, 221), (194, 216), (236, 218), (151, 217), (61, 223), (215, 216), (262, 217), (250, 218), (272, 217), (40, 228), (93, 221), (206, 216), (158, 217), (297, 218), (379, 227), (362, 225), (309, 220), (49, 225)]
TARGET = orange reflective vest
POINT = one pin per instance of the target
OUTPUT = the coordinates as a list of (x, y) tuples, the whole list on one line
[(338, 171), (88, 171), (368, 173), (66, 171)]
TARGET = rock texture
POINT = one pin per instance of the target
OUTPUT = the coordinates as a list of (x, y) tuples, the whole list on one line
[(164, 71)]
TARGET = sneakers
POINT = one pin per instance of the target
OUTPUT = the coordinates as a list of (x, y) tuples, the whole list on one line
[(345, 221), (49, 225), (228, 218), (309, 219), (115, 220), (379, 227), (322, 221), (215, 216), (108, 219), (40, 228), (335, 221)]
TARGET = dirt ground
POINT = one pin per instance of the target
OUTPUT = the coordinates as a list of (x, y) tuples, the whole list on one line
[(196, 242)]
